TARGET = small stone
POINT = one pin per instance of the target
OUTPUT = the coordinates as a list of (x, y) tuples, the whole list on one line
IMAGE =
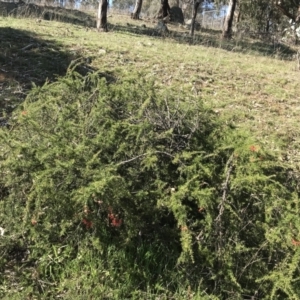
[(101, 51)]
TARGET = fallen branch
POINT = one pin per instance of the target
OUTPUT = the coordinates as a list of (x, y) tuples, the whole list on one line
[(30, 46)]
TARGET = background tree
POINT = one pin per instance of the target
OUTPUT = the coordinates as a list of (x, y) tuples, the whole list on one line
[(137, 9), (259, 15), (123, 4), (151, 8), (289, 8), (227, 29), (102, 16), (164, 10), (196, 5)]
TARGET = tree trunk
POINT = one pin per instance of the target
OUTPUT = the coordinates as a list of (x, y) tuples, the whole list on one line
[(195, 11), (102, 16), (164, 10), (237, 15), (269, 17), (227, 29), (137, 10)]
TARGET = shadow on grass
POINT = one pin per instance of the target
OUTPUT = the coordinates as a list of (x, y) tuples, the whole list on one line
[(212, 38), (47, 13), (26, 59)]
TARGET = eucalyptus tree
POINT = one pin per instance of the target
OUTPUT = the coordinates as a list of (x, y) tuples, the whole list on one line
[(137, 9), (267, 15), (164, 10), (289, 8), (228, 22), (254, 15), (227, 28), (102, 16), (259, 15), (196, 4)]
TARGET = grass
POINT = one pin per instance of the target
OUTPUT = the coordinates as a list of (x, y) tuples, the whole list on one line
[(248, 83), (241, 79)]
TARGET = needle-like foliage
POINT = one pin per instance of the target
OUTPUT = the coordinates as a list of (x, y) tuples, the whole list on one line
[(137, 192)]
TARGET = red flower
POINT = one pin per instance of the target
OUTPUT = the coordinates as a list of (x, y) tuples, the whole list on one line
[(253, 148), (111, 216), (295, 243), (88, 224), (116, 222)]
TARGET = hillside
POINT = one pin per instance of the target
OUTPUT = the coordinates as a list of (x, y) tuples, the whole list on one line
[(141, 166), (251, 83)]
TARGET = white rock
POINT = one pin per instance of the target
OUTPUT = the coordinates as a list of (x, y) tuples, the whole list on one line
[(1, 231), (101, 51)]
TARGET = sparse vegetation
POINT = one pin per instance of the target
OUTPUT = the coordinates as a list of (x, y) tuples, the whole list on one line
[(150, 168)]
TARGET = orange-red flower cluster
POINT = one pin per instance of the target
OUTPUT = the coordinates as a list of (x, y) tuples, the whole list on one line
[(295, 243), (88, 224), (253, 148), (183, 228), (115, 221)]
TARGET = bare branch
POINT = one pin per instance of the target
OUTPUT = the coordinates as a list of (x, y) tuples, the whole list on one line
[(143, 155), (225, 188), (284, 11)]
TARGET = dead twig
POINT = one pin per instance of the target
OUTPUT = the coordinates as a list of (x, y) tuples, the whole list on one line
[(221, 207), (30, 46), (298, 59)]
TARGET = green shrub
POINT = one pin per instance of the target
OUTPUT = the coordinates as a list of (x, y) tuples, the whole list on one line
[(120, 191)]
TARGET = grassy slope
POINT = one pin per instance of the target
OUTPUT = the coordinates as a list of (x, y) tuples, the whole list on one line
[(237, 79)]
